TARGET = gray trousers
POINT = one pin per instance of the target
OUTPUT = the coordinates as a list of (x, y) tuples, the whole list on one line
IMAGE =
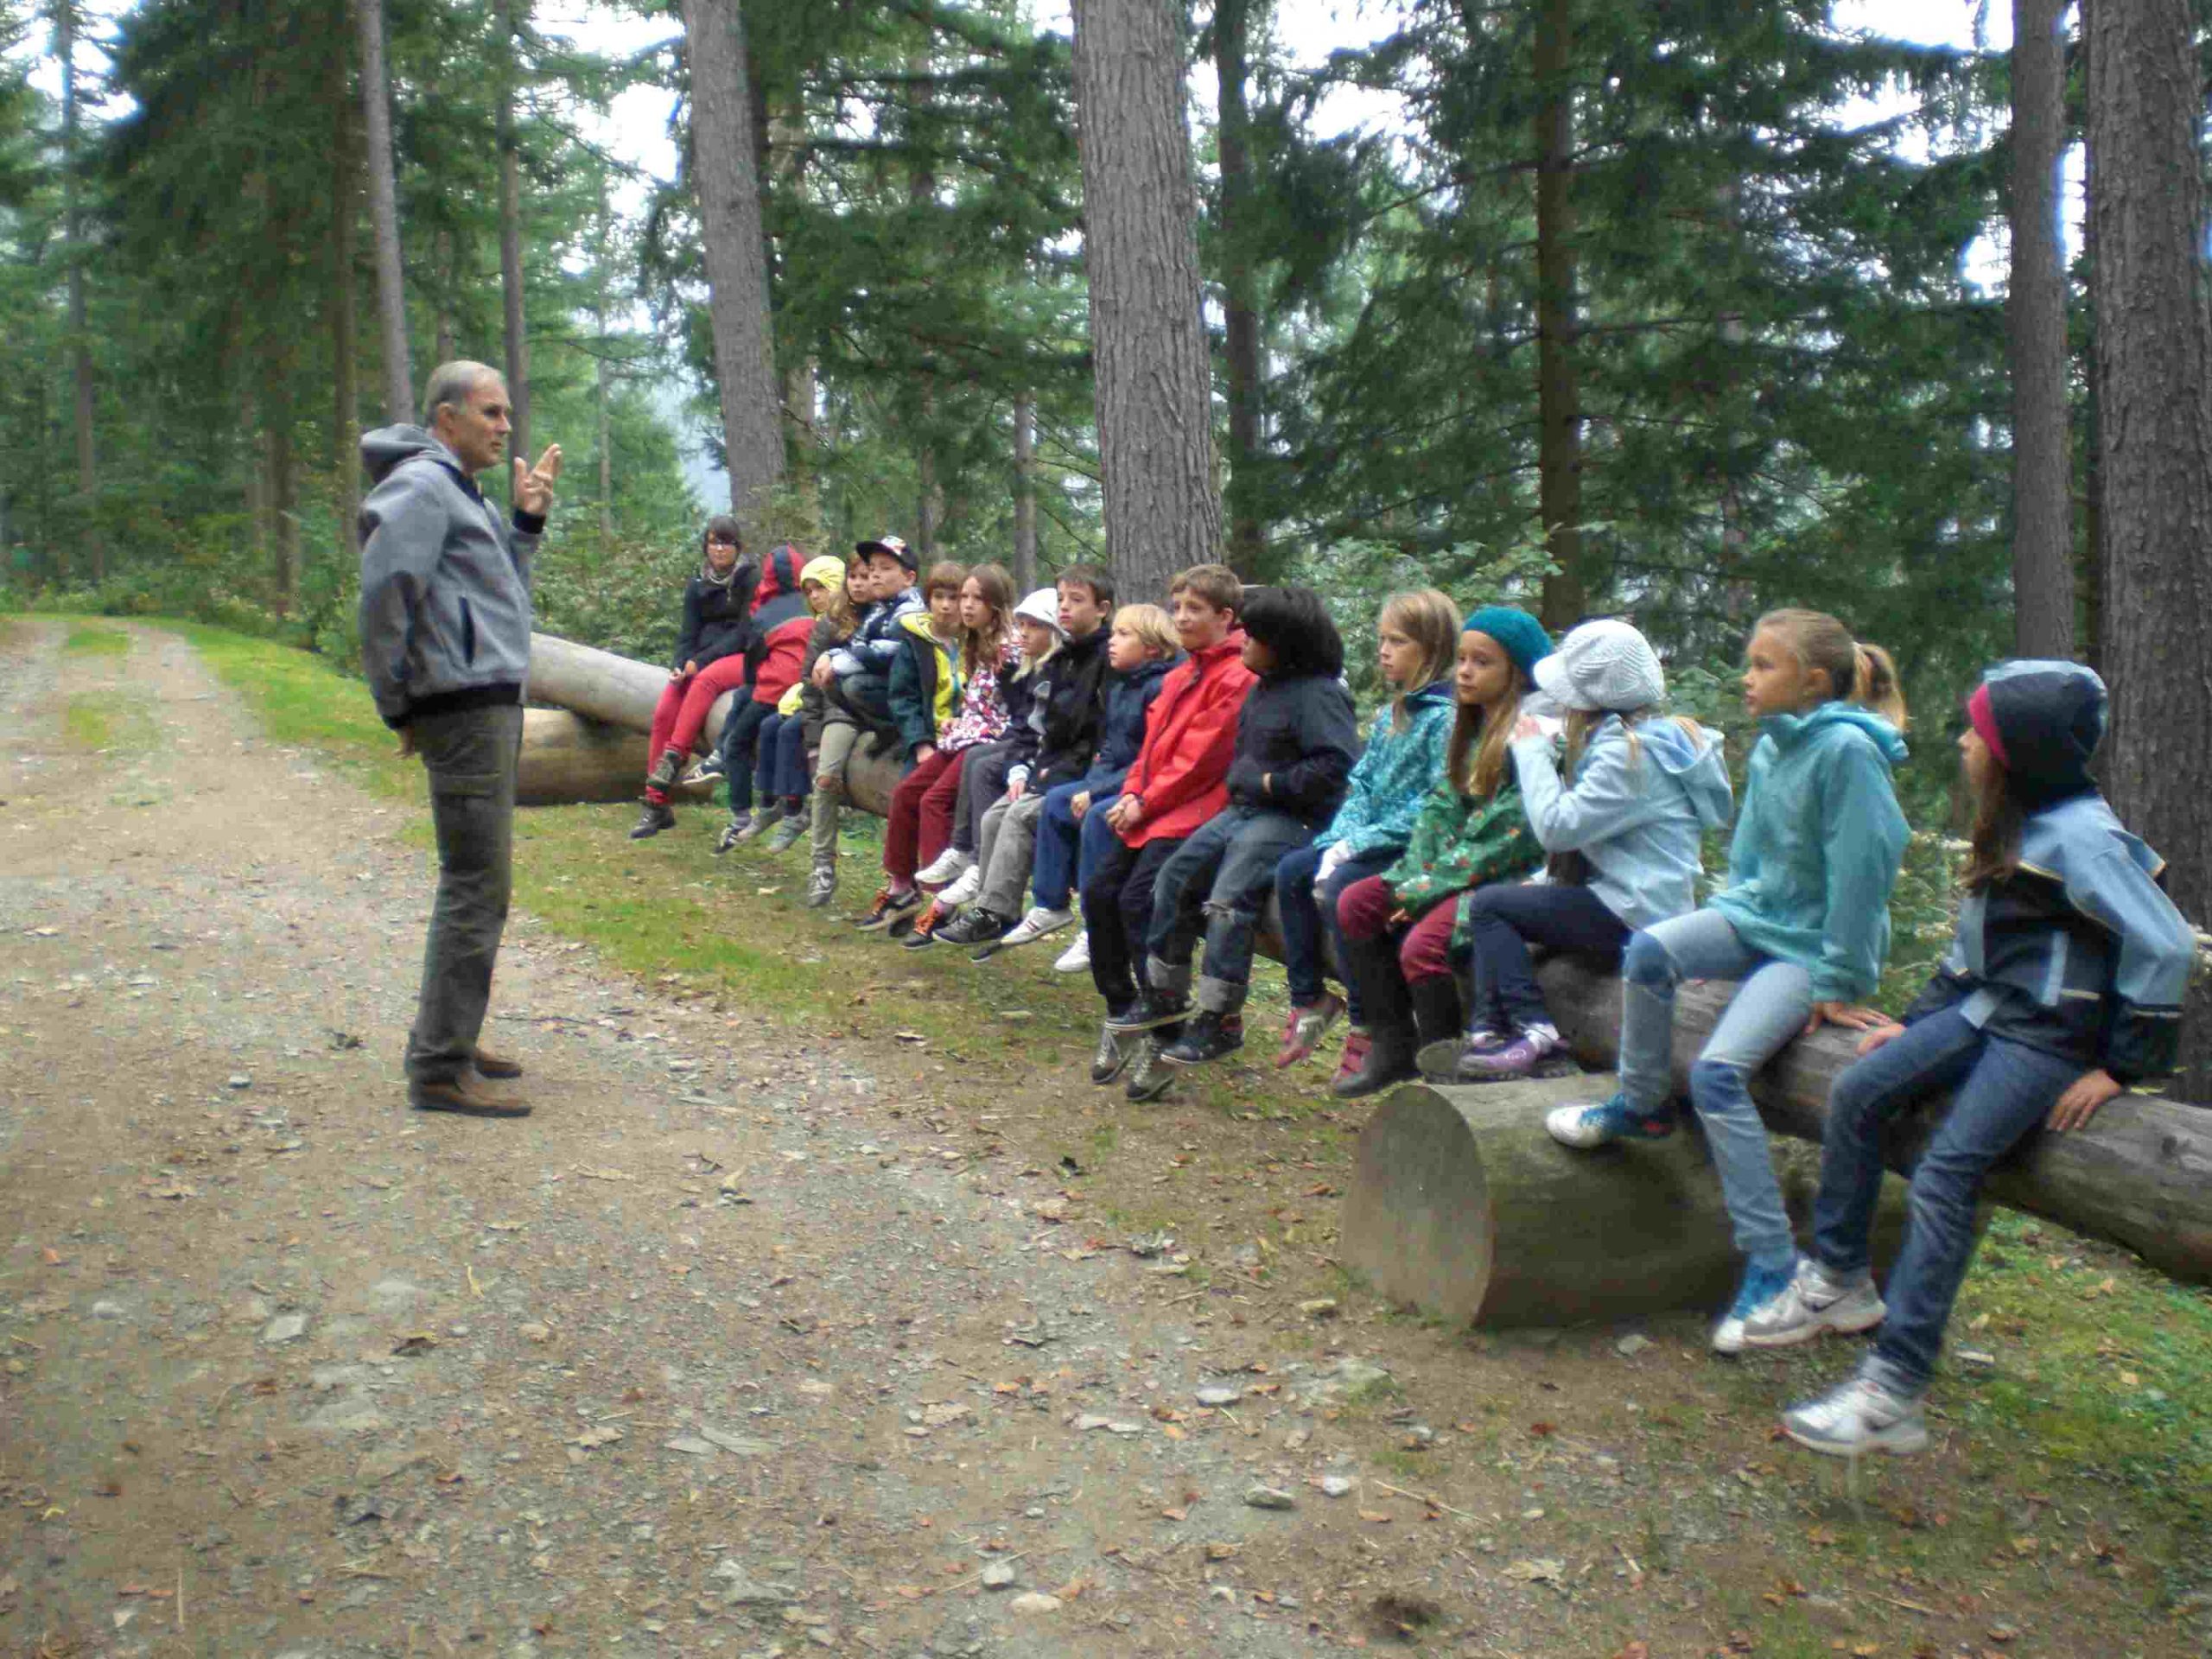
[(1005, 848), (470, 756)]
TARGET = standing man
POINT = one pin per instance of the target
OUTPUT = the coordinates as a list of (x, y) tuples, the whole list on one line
[(445, 642)]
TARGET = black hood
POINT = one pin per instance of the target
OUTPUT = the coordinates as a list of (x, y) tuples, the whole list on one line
[(2050, 718)]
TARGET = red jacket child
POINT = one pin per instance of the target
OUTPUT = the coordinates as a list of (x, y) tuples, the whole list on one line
[(781, 623), (1182, 772)]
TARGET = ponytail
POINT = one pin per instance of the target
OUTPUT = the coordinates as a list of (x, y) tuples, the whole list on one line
[(1875, 684)]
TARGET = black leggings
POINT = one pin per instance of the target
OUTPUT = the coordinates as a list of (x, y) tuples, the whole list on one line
[(1505, 918)]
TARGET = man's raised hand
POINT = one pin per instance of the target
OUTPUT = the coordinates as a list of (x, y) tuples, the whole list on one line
[(534, 486)]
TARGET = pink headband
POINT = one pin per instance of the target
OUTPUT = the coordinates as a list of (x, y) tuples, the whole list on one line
[(1984, 721)]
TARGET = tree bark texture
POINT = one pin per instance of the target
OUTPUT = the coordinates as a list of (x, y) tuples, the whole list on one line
[(1559, 401), (2034, 317), (345, 316), (517, 323), (1241, 360), (80, 343), (384, 214), (1025, 492), (2154, 435), (1153, 385), (726, 174), (566, 758)]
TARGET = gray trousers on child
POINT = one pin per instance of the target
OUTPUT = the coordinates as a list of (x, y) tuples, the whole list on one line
[(470, 756), (1005, 848)]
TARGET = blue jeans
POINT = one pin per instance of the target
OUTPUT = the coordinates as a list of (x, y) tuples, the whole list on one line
[(779, 772), (2003, 1091), (1506, 917), (1770, 1008), (1309, 916), (1052, 876), (1218, 879), (738, 735)]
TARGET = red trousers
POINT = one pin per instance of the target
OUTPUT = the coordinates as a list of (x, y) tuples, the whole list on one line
[(921, 815), (685, 704), (1363, 912)]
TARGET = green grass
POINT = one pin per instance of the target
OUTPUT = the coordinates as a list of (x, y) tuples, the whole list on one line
[(95, 640), (89, 723)]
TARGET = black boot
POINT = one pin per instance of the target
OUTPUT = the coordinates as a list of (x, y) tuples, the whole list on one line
[(1436, 1008), (656, 817), (1391, 1052)]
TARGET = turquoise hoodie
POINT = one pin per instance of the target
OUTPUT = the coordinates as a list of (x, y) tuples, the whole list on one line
[(1394, 775), (1637, 813), (1817, 847)]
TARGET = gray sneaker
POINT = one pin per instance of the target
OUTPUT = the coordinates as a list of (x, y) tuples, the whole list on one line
[(821, 886), (1862, 1416), (1813, 1302), (763, 821), (787, 833), (1150, 1080), (1115, 1051)]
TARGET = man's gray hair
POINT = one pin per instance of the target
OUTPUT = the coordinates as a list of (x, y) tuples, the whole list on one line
[(451, 384)]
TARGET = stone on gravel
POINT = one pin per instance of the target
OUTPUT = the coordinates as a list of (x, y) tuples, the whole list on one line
[(1335, 1485), (239, 1080), (1034, 1601), (285, 1327), (393, 1293), (740, 1589), (1269, 1497), (1632, 1344), (1219, 1396), (999, 1575), (108, 1310), (692, 1446), (741, 1446), (1348, 1380)]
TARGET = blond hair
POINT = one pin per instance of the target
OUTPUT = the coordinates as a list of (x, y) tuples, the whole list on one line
[(1152, 626), (1860, 673), (1428, 617), (840, 613)]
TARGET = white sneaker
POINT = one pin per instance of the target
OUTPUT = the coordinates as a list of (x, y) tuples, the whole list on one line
[(948, 866), (964, 890), (1757, 1292), (1862, 1416), (1036, 924), (1813, 1302), (1076, 959)]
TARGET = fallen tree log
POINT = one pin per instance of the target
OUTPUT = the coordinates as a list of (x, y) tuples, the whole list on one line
[(2139, 1175), (566, 758), (1464, 1206)]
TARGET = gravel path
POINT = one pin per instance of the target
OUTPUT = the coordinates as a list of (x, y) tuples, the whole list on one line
[(723, 1349)]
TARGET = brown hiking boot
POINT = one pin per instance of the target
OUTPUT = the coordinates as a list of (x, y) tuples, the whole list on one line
[(497, 1066), (469, 1094)]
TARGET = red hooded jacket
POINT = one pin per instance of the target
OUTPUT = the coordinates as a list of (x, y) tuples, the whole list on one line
[(1190, 737), (781, 623)]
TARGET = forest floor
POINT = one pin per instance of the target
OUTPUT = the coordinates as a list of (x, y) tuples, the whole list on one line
[(778, 1332)]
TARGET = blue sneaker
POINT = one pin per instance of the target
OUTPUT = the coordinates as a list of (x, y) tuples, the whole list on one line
[(1761, 1290), (1585, 1127)]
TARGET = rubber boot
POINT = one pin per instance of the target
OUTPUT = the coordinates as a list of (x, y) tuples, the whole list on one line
[(1436, 1008), (1390, 1050)]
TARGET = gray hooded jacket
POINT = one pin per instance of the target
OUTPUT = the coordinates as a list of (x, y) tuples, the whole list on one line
[(445, 614)]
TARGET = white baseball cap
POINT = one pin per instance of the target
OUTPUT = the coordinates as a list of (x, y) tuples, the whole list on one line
[(1603, 665)]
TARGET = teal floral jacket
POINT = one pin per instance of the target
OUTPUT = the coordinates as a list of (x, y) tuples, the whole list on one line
[(1393, 776), (1460, 842)]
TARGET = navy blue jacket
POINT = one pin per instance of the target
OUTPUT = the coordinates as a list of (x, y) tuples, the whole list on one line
[(1296, 741), (1121, 733)]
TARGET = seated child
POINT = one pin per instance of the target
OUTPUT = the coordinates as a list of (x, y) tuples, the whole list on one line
[(1416, 638), (2063, 985), (709, 660), (1179, 780), (781, 622), (1623, 841), (1072, 835), (1053, 746), (854, 681), (780, 774), (1296, 740), (1802, 925)]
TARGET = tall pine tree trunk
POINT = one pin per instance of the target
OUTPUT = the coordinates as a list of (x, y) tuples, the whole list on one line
[(80, 343), (1559, 406), (345, 321), (1025, 491), (384, 214), (1154, 391), (1247, 547), (2154, 417), (2042, 501), (727, 175), (510, 276)]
